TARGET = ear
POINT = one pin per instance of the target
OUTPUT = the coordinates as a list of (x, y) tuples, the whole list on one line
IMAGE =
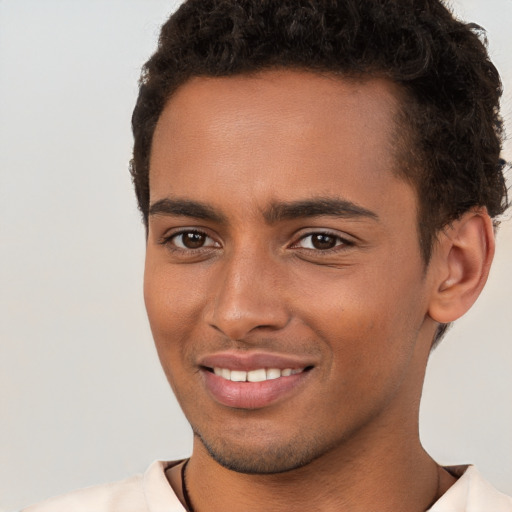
[(460, 265)]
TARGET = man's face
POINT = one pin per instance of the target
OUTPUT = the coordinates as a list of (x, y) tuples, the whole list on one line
[(283, 249)]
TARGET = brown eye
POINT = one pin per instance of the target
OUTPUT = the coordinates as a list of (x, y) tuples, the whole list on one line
[(321, 241), (192, 240)]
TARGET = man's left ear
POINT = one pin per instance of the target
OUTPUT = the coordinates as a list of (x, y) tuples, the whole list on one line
[(460, 265)]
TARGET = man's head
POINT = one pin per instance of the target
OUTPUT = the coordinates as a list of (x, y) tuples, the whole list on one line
[(284, 177), (448, 134)]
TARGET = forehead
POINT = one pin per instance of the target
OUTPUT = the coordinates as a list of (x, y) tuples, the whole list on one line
[(275, 134)]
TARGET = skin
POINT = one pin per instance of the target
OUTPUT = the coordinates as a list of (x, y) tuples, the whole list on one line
[(363, 312)]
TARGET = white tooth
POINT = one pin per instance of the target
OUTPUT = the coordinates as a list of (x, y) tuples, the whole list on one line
[(217, 371), (273, 373), (286, 372), (296, 370), (226, 374), (238, 376), (257, 375)]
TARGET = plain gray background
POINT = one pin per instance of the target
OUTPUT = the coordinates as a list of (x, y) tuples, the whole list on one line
[(82, 397)]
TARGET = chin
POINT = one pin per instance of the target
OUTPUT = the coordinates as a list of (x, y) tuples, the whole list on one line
[(250, 459)]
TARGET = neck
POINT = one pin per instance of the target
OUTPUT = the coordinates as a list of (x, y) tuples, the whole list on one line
[(353, 479)]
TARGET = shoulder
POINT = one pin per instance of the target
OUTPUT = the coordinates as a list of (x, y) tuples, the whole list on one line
[(126, 496), (140, 493), (472, 493)]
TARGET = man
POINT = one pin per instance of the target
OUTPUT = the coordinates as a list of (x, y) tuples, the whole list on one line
[(319, 182)]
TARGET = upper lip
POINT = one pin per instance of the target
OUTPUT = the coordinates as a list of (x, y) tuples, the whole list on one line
[(247, 361)]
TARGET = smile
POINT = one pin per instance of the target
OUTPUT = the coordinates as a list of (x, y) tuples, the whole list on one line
[(258, 375), (253, 379), (253, 388)]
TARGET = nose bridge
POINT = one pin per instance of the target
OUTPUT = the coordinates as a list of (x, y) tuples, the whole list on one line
[(247, 294)]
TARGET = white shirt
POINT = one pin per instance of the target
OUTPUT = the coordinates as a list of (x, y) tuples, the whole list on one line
[(471, 493), (151, 492)]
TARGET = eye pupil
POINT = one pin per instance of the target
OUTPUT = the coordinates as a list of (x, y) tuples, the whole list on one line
[(193, 240), (320, 241)]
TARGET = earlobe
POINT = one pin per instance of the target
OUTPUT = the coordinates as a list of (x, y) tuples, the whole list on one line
[(462, 260)]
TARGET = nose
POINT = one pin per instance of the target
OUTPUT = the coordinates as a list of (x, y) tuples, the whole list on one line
[(248, 296)]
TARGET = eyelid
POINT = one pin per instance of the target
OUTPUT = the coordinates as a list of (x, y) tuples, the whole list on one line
[(169, 236), (342, 240)]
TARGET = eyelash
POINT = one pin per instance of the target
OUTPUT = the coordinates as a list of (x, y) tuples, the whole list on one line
[(168, 241), (341, 243)]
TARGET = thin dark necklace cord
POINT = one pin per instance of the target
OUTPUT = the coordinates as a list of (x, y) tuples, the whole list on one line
[(184, 489)]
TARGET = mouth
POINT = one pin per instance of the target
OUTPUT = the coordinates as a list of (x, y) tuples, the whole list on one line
[(257, 375), (253, 380)]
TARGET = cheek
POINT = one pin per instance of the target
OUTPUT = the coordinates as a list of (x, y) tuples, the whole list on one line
[(171, 321), (172, 304), (368, 320), (168, 294)]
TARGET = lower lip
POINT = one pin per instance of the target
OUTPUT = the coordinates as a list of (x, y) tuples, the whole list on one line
[(251, 395)]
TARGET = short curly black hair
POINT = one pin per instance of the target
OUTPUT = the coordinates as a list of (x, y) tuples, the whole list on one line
[(452, 90)]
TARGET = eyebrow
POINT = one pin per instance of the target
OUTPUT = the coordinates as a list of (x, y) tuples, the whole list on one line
[(186, 208), (317, 207), (278, 211)]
